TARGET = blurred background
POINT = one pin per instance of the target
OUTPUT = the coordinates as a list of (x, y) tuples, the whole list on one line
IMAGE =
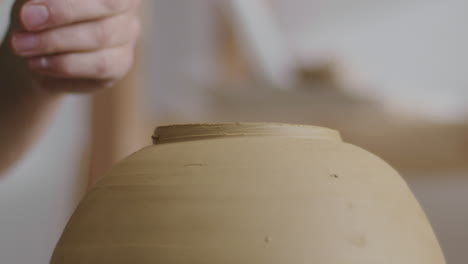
[(391, 76)]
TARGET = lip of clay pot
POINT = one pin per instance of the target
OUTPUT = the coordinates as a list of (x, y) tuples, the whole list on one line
[(253, 194)]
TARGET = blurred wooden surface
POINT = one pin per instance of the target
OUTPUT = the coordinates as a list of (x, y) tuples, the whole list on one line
[(405, 142)]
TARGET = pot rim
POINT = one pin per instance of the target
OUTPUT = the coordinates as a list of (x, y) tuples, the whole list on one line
[(187, 132)]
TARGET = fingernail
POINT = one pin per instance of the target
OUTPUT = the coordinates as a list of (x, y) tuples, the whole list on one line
[(24, 42), (34, 16), (39, 63)]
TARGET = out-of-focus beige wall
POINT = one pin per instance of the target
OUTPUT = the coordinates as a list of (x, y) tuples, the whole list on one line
[(411, 53), (444, 198), (39, 194)]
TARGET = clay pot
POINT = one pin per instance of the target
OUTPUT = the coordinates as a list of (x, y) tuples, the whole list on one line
[(250, 194)]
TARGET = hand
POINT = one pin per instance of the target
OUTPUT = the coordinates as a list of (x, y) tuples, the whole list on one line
[(77, 44)]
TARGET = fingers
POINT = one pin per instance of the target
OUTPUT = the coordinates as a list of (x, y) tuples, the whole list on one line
[(88, 36), (38, 15), (77, 44), (105, 65)]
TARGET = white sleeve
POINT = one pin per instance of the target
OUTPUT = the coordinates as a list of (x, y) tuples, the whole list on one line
[(5, 9)]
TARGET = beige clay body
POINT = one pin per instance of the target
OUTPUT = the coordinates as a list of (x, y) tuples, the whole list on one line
[(250, 194)]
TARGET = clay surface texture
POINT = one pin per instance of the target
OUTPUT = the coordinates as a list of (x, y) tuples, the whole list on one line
[(250, 194)]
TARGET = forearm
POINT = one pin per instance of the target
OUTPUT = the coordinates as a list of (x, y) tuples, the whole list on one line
[(24, 107)]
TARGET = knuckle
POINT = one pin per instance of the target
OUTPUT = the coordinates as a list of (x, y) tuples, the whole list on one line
[(44, 44), (49, 43), (127, 66), (63, 65), (137, 28), (61, 13), (116, 6), (105, 68), (103, 33), (110, 32)]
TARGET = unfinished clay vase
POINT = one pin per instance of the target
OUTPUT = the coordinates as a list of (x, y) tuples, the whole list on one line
[(249, 194)]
